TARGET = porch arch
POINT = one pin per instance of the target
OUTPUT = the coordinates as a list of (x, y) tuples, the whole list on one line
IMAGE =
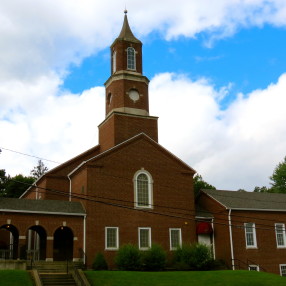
[(63, 244), (9, 241), (36, 243)]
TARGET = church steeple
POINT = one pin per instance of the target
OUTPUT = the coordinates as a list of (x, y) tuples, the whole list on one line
[(126, 92), (126, 33), (127, 88)]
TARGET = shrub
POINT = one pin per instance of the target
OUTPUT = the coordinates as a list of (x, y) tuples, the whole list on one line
[(128, 258), (99, 262), (201, 256), (181, 257), (193, 257), (154, 259)]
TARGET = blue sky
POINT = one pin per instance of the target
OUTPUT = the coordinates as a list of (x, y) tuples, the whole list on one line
[(251, 59), (217, 73)]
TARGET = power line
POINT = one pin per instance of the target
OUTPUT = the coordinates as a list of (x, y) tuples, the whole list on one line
[(28, 155), (170, 214)]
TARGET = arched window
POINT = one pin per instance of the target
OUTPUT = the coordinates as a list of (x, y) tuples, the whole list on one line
[(114, 62), (143, 189), (131, 60)]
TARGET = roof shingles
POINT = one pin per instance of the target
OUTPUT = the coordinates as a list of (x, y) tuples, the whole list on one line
[(249, 200), (41, 206)]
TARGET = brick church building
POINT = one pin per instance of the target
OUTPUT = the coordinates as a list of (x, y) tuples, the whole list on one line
[(127, 189)]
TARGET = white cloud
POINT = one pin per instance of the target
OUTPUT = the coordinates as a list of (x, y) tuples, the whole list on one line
[(238, 147), (234, 148), (43, 37)]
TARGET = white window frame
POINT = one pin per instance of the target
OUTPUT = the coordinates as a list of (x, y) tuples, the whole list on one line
[(283, 237), (282, 271), (131, 62), (253, 266), (117, 238), (149, 238), (180, 237), (253, 235), (149, 205)]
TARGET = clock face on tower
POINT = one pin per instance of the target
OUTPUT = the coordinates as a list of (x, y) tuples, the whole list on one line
[(133, 95)]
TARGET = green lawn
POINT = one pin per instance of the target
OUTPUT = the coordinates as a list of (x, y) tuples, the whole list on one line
[(184, 278), (15, 278)]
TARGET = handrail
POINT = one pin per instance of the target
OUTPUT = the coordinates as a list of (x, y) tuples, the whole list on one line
[(82, 256), (254, 263), (246, 264), (79, 277), (6, 254)]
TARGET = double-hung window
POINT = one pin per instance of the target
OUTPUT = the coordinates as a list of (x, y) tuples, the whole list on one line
[(143, 189), (283, 270), (253, 267), (131, 58), (111, 238), (144, 234), (280, 234), (250, 235), (175, 238)]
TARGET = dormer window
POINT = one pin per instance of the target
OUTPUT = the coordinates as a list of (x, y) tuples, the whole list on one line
[(131, 60), (114, 62)]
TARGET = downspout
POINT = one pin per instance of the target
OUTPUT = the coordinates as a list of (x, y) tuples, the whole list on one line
[(84, 239), (213, 238), (230, 238), (70, 191)]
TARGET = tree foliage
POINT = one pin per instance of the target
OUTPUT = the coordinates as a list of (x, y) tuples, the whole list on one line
[(17, 185), (13, 187), (200, 184), (39, 170), (278, 180)]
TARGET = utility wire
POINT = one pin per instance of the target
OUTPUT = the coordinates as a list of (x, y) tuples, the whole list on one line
[(28, 155), (170, 214)]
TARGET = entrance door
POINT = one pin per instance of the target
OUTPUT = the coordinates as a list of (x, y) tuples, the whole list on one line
[(63, 244)]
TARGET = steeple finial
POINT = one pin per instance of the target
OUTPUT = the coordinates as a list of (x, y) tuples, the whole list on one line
[(126, 33)]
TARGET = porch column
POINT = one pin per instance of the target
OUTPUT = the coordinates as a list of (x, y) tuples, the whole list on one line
[(50, 248)]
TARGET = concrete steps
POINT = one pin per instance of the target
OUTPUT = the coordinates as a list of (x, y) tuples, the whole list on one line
[(57, 273), (58, 279)]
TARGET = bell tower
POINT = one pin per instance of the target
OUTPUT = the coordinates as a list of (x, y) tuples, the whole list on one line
[(126, 98)]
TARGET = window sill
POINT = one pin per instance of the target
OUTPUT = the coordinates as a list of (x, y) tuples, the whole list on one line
[(111, 249), (251, 247), (143, 207)]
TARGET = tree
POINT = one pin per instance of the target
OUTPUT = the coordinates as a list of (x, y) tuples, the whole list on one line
[(39, 170), (200, 184), (278, 178), (3, 182), (16, 186), (263, 189)]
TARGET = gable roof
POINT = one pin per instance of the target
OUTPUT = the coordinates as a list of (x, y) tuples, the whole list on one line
[(66, 167), (130, 141), (248, 200), (41, 206)]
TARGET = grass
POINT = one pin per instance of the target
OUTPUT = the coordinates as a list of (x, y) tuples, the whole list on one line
[(184, 278), (15, 278)]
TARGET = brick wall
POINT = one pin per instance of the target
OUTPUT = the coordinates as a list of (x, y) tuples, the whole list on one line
[(110, 181)]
